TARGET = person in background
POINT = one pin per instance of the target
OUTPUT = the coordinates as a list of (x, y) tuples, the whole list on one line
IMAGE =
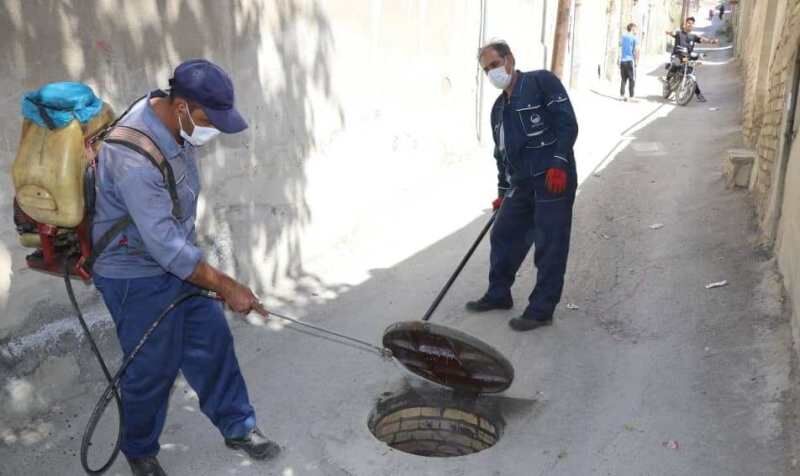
[(629, 58), (684, 38)]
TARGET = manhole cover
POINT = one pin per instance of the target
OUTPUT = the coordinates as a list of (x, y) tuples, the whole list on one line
[(448, 357), (438, 427)]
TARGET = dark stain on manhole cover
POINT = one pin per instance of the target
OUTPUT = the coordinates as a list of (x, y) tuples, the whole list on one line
[(436, 425)]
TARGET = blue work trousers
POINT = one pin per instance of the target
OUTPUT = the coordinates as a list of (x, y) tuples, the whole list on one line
[(530, 215), (194, 338)]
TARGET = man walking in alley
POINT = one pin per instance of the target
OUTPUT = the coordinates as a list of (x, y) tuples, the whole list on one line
[(628, 59), (146, 204), (534, 131), (684, 38)]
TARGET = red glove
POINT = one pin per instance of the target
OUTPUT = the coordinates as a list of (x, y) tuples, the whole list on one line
[(496, 203), (556, 180)]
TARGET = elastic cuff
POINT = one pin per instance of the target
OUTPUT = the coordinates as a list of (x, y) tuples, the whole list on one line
[(239, 429)]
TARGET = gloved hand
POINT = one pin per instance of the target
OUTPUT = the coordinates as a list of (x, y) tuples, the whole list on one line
[(497, 202), (556, 180)]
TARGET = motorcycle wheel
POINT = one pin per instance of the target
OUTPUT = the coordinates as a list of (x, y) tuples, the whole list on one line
[(685, 94), (667, 91)]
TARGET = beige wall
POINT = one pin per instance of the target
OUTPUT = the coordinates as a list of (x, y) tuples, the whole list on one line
[(788, 243), (768, 44), (756, 44), (351, 102), (770, 33)]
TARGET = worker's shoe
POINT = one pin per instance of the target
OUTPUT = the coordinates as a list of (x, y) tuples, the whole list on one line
[(485, 304), (255, 444), (147, 466), (701, 98), (523, 323)]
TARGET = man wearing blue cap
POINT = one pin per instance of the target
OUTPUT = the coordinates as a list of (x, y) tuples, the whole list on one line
[(145, 232)]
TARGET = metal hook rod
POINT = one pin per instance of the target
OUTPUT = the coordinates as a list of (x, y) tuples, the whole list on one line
[(461, 265), (380, 350)]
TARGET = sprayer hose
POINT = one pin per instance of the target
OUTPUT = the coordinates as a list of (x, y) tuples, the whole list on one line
[(112, 390)]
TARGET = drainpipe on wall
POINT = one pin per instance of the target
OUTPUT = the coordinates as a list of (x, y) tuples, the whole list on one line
[(479, 75), (545, 56), (576, 46)]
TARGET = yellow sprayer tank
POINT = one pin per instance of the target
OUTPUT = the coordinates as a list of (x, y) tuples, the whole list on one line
[(49, 168)]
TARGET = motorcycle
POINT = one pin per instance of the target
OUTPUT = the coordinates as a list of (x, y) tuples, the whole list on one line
[(680, 79)]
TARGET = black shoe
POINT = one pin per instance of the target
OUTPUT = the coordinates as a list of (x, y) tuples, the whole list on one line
[(701, 98), (255, 444), (528, 324), (147, 466), (485, 304)]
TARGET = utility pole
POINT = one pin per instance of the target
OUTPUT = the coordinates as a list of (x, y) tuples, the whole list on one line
[(684, 11), (562, 32)]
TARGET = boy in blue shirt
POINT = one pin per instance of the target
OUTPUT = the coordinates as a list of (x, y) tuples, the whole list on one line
[(629, 57)]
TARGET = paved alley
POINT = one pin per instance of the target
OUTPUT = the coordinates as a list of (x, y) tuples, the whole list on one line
[(648, 373)]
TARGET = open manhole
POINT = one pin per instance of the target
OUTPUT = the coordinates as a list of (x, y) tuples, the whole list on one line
[(435, 426)]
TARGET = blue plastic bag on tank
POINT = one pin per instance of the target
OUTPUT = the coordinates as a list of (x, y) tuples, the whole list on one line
[(55, 105)]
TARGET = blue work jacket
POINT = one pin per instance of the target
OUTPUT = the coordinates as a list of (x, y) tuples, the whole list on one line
[(128, 184), (533, 130)]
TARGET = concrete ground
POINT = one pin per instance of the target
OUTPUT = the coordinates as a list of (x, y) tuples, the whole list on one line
[(653, 374)]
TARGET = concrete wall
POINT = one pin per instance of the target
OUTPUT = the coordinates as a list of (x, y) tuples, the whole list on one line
[(769, 33), (353, 104), (768, 45), (783, 207), (756, 44)]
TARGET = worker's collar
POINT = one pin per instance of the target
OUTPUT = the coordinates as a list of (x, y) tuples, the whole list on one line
[(516, 91), (158, 131)]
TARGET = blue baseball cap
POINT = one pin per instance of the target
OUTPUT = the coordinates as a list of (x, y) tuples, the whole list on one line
[(210, 86)]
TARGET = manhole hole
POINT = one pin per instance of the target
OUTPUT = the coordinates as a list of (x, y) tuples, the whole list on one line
[(435, 427)]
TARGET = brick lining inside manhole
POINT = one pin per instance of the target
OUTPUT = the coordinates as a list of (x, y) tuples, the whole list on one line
[(437, 431)]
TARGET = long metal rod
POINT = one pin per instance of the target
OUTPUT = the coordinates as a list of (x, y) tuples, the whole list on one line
[(461, 265), (380, 350)]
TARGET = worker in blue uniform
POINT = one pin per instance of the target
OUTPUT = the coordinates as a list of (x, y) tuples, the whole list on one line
[(152, 259), (534, 130)]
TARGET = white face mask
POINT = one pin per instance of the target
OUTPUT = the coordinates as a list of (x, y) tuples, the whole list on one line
[(200, 135), (499, 77)]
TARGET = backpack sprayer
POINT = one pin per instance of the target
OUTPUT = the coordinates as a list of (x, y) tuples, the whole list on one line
[(64, 127)]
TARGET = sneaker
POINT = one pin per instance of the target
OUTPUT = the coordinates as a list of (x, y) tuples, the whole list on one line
[(485, 304), (255, 444), (522, 323), (701, 98), (624, 99), (147, 466)]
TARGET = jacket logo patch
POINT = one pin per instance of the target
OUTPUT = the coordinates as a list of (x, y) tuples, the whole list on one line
[(535, 119)]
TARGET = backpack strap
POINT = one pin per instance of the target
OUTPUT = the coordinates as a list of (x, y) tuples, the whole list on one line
[(106, 240), (141, 143)]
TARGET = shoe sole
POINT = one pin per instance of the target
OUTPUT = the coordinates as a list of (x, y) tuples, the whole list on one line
[(530, 326), (268, 454), (496, 308)]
